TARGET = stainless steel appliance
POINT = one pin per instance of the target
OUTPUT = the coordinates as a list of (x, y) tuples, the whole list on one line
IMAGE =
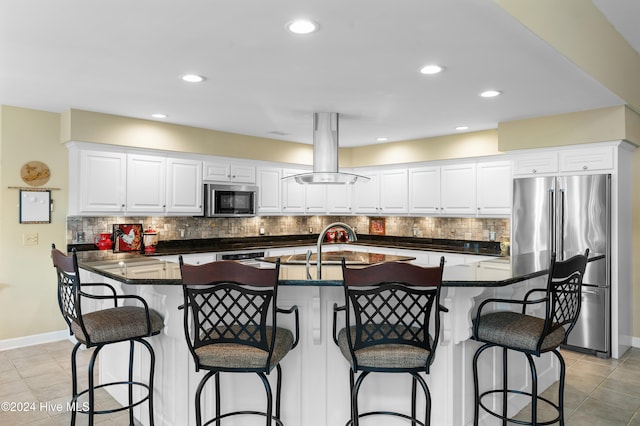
[(566, 215), (230, 200)]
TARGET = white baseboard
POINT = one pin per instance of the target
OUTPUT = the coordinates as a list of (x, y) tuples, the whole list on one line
[(36, 339), (635, 342)]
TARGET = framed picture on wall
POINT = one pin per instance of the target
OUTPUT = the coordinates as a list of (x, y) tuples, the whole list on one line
[(35, 206)]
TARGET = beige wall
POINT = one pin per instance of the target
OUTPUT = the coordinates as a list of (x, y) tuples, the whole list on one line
[(27, 283)]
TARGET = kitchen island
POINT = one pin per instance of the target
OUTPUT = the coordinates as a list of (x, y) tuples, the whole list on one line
[(315, 375)]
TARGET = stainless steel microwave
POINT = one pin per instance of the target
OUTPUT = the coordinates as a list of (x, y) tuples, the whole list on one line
[(230, 200)]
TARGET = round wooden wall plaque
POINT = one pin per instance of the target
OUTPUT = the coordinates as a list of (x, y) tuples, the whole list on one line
[(35, 173)]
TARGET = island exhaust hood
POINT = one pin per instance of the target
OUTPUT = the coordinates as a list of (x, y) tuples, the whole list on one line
[(325, 153)]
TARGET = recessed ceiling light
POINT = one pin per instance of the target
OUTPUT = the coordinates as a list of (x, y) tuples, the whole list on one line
[(159, 115), (462, 128), (490, 93), (302, 26), (192, 78), (382, 139), (431, 69)]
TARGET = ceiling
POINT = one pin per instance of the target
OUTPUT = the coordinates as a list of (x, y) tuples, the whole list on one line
[(125, 57)]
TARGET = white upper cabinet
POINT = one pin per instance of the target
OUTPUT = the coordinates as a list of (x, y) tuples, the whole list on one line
[(535, 163), (394, 191), (366, 193), (494, 188), (268, 180), (223, 171), (146, 180), (100, 178), (299, 198), (458, 189), (424, 190), (565, 160), (386, 192), (184, 186), (316, 198), (136, 183), (339, 199), (586, 159), (293, 193)]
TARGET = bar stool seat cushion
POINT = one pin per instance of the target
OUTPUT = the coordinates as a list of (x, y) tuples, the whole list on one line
[(517, 331), (244, 356), (385, 355), (117, 324)]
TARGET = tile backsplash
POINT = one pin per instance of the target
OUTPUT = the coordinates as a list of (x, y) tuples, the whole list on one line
[(176, 228)]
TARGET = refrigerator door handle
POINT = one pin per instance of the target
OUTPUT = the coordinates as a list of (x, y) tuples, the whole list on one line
[(560, 230), (552, 220)]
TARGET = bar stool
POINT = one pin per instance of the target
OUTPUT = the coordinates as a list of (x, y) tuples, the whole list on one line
[(531, 335), (230, 313), (103, 327), (388, 312)]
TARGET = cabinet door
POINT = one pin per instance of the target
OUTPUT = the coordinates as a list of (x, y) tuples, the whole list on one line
[(102, 182), (217, 171), (458, 189), (424, 190), (339, 199), (316, 198), (366, 194), (241, 173), (146, 179), (293, 193), (494, 188), (586, 159), (394, 191), (532, 164), (268, 179), (184, 186)]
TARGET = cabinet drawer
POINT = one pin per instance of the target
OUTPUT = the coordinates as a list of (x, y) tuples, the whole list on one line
[(535, 163), (586, 159)]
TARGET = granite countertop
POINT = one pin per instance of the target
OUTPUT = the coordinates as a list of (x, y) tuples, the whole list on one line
[(187, 246), (138, 269)]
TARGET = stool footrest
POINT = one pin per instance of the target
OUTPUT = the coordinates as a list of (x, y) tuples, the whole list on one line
[(388, 413), (239, 413), (75, 399), (515, 391)]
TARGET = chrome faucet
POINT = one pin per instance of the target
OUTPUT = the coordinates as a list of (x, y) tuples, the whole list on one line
[(351, 236)]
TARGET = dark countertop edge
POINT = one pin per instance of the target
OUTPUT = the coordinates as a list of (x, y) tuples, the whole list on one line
[(311, 283), (172, 247)]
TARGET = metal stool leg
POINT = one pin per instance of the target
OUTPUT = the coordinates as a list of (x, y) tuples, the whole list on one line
[(92, 361), (199, 394), (278, 390), (476, 386), (74, 382), (130, 384), (561, 387), (505, 385)]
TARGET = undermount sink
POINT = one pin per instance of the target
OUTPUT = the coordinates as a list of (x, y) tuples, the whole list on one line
[(335, 258)]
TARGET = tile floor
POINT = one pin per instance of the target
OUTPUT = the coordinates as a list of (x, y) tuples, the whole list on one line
[(37, 380), (603, 392)]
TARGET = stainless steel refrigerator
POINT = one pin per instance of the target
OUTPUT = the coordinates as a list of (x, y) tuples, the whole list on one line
[(567, 215)]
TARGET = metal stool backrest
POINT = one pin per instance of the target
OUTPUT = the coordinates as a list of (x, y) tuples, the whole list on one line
[(227, 302), (68, 287), (564, 295), (393, 303)]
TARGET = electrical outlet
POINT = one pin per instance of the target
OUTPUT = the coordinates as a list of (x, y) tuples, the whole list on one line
[(30, 239)]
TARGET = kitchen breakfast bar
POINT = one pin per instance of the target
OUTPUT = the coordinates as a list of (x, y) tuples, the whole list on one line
[(315, 387)]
